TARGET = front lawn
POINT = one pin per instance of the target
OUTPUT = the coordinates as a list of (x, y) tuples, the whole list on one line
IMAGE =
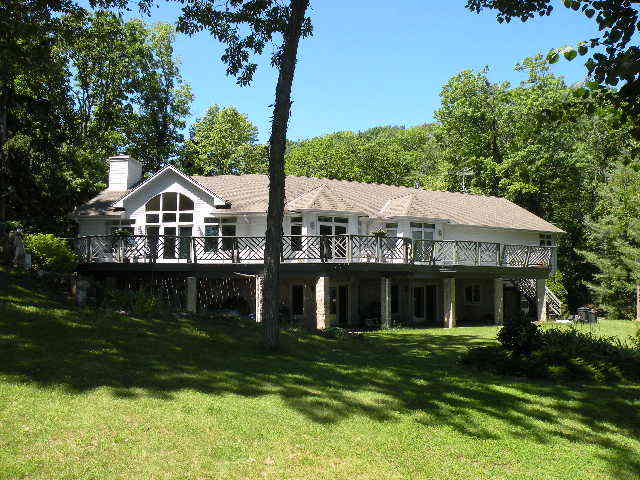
[(90, 395)]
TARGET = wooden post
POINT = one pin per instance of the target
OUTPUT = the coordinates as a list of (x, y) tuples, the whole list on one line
[(449, 302), (498, 301), (385, 302), (349, 248), (541, 299), (192, 294)]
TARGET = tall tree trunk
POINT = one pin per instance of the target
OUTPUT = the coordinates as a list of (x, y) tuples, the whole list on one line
[(277, 145), (4, 134), (638, 302)]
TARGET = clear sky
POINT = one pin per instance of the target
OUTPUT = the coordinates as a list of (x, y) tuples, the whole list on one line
[(378, 62)]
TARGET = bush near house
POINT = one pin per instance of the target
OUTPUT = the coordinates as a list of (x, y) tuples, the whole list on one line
[(567, 355), (50, 253)]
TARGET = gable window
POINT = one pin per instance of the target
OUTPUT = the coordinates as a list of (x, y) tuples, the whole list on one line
[(219, 233), (169, 207), (546, 240), (472, 294)]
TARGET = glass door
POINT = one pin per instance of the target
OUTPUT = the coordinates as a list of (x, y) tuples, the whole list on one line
[(185, 241), (421, 233), (169, 248), (331, 227)]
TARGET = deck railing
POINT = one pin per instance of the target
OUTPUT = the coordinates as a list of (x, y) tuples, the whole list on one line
[(308, 249)]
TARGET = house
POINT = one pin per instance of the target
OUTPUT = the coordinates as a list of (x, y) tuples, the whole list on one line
[(351, 251)]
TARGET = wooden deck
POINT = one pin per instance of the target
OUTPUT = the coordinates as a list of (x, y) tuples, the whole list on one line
[(313, 253)]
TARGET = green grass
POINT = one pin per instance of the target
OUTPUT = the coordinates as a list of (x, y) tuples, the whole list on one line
[(90, 395)]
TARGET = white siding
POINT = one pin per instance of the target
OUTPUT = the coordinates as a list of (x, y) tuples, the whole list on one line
[(480, 234)]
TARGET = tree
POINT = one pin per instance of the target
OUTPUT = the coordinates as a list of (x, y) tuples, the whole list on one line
[(614, 58), (223, 142), (390, 155), (27, 32), (615, 240), (543, 145), (128, 92)]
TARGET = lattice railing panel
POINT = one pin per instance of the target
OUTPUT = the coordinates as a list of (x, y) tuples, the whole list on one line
[(488, 253), (213, 249), (444, 252), (250, 248), (515, 255), (301, 247), (466, 253), (364, 248), (539, 256)]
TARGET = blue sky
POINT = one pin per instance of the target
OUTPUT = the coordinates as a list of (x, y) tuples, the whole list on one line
[(378, 62)]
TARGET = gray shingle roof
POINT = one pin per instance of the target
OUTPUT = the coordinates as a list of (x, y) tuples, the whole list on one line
[(249, 194)]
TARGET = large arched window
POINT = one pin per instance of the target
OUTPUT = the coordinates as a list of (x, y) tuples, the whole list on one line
[(170, 214), (169, 207)]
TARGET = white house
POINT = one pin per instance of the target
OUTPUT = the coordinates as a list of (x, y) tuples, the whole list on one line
[(350, 250)]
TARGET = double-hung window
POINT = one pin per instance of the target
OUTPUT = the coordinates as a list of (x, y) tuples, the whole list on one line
[(220, 233)]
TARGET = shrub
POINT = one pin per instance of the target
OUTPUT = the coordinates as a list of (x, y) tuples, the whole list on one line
[(142, 303), (520, 336), (50, 253)]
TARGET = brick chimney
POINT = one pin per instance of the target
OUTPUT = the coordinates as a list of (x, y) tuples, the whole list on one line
[(124, 172)]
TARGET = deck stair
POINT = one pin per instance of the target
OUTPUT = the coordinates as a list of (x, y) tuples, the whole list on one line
[(527, 287)]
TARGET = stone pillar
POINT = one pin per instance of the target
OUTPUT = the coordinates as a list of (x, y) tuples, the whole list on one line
[(82, 290), (541, 299), (310, 304), (498, 301), (259, 293), (192, 294), (449, 302), (322, 303), (354, 301), (385, 302)]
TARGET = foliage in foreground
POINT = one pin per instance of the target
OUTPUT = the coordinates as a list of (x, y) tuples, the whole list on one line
[(565, 355), (50, 253)]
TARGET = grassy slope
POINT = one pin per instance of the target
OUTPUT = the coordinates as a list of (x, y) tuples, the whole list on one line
[(95, 395)]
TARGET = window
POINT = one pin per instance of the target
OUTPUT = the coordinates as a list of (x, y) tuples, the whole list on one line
[(219, 232), (168, 206), (546, 240), (296, 229), (472, 294)]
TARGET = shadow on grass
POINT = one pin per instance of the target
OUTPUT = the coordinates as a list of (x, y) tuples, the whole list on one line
[(412, 371)]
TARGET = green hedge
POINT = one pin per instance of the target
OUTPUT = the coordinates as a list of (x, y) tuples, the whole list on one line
[(50, 253)]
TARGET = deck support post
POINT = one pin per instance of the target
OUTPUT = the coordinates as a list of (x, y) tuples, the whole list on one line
[(385, 302), (192, 294), (259, 290), (541, 299), (82, 291), (354, 301), (498, 301), (449, 302), (322, 303)]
